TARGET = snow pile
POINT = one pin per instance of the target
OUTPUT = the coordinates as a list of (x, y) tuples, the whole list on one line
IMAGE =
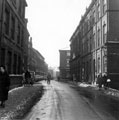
[(112, 92), (83, 85), (20, 101), (108, 91)]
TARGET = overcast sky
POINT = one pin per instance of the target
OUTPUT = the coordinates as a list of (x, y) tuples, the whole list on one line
[(51, 24)]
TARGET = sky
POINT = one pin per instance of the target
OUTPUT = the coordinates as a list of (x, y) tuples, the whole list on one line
[(51, 23)]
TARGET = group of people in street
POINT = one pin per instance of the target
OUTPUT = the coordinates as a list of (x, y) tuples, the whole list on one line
[(103, 80), (27, 79)]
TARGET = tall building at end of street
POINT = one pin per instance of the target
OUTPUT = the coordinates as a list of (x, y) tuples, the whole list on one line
[(13, 35), (64, 64), (95, 43)]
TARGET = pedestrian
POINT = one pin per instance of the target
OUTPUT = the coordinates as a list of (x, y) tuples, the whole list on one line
[(74, 78), (4, 85), (45, 77), (104, 79), (108, 82), (99, 81), (27, 77), (58, 78), (48, 78)]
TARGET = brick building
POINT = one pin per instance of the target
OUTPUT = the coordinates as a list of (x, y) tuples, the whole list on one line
[(95, 42), (13, 35), (64, 64)]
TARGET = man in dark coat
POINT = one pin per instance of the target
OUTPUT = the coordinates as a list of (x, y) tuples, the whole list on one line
[(27, 76), (105, 80), (99, 81), (4, 85), (48, 78)]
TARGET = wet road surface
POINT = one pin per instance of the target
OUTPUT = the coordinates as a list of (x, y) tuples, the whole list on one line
[(62, 101), (105, 104)]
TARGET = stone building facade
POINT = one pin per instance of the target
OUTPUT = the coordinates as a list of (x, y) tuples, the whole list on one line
[(36, 62), (64, 64), (95, 42), (13, 35)]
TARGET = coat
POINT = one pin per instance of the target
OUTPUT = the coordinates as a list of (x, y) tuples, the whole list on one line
[(48, 77), (27, 75), (4, 86)]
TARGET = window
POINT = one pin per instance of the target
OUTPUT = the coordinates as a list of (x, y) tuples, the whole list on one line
[(104, 33), (94, 68), (68, 61), (104, 64), (94, 38), (18, 34), (14, 3), (20, 7), (88, 45), (22, 38), (12, 27), (98, 38), (19, 65), (9, 61), (6, 21), (90, 21), (3, 56), (90, 42), (104, 6), (83, 29), (98, 64), (67, 64), (98, 11), (88, 25), (15, 63), (23, 12), (93, 21), (68, 53)]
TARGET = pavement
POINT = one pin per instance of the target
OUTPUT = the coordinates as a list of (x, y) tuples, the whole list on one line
[(19, 102)]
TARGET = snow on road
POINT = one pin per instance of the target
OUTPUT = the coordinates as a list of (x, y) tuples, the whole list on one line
[(61, 102)]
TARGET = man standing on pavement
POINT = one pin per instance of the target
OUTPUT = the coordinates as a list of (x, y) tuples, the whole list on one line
[(104, 78), (4, 85), (99, 81), (27, 77), (48, 78)]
